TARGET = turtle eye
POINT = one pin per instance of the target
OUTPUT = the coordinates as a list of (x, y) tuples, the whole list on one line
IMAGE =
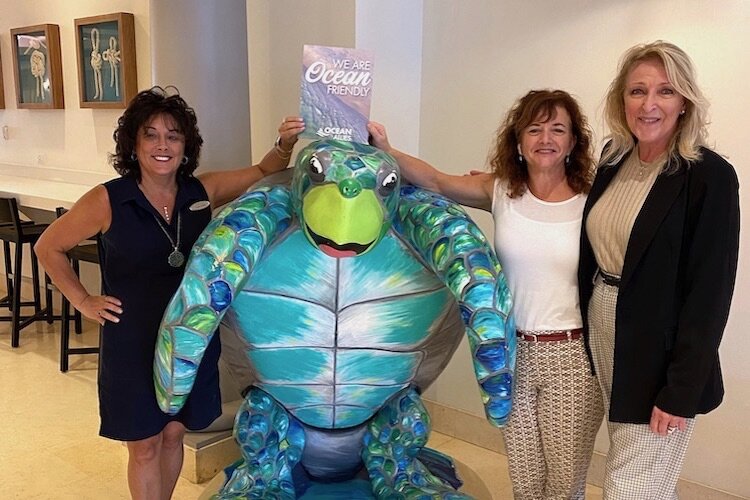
[(388, 183), (316, 169)]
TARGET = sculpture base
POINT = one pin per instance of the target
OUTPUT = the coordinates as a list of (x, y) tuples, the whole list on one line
[(358, 489)]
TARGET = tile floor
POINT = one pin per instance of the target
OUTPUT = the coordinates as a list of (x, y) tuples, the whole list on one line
[(50, 448)]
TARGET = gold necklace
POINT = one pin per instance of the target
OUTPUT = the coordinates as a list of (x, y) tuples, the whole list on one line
[(164, 206), (643, 167)]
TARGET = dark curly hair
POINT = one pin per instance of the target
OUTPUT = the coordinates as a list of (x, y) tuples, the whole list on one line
[(144, 106), (540, 105)]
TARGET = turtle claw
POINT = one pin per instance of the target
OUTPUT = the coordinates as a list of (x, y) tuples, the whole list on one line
[(271, 443)]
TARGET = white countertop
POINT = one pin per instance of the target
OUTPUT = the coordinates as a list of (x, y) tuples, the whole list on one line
[(47, 188)]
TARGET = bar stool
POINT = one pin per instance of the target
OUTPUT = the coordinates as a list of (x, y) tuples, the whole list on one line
[(14, 230), (84, 252)]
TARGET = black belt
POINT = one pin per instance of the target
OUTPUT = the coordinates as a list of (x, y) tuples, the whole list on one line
[(609, 279)]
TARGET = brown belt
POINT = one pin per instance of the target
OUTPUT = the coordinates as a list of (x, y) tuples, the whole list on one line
[(550, 336)]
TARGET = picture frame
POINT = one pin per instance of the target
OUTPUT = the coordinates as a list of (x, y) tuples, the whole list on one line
[(37, 67), (105, 50)]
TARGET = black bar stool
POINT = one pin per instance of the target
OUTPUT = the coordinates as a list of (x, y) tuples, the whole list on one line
[(84, 252), (14, 230)]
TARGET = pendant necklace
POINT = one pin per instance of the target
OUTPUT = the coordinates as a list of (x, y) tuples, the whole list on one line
[(176, 258), (643, 167)]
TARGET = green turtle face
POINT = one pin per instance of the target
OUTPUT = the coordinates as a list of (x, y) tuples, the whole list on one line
[(345, 195)]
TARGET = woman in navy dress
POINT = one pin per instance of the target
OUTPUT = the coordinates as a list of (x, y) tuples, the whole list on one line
[(149, 219)]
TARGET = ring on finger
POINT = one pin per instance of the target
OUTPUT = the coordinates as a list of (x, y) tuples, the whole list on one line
[(671, 429)]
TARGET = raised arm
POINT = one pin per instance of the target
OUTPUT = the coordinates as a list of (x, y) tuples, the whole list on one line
[(471, 190), (89, 216), (226, 185)]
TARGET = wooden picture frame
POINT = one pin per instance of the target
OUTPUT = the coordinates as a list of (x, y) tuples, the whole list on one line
[(2, 89), (37, 67), (105, 50)]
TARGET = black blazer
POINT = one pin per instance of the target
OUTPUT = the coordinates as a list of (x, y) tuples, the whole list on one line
[(676, 288)]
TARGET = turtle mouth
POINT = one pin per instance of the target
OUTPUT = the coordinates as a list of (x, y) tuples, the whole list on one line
[(333, 249)]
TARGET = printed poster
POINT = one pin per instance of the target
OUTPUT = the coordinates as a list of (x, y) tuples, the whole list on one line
[(336, 92)]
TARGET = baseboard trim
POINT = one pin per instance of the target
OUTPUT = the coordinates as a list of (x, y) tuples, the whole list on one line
[(477, 431), (205, 454)]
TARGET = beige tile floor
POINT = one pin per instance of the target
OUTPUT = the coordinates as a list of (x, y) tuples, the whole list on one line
[(50, 448)]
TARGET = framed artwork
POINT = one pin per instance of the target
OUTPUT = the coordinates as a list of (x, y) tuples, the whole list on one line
[(37, 66), (105, 49)]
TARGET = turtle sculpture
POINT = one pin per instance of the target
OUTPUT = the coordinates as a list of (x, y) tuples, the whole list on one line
[(351, 294)]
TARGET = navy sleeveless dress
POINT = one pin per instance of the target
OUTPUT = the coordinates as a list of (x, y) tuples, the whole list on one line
[(134, 265)]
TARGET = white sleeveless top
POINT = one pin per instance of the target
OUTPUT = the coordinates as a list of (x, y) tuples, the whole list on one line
[(537, 243)]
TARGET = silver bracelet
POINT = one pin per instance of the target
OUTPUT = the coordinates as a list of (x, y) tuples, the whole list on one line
[(283, 154)]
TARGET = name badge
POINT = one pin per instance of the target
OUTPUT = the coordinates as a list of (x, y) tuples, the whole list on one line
[(199, 205)]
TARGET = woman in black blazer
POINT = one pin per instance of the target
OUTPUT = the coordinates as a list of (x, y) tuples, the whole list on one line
[(658, 257)]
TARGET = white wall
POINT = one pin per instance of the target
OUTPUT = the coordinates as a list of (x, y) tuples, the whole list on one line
[(70, 138), (277, 30), (392, 30)]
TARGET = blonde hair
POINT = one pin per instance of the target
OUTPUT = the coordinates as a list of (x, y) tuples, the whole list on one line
[(691, 131)]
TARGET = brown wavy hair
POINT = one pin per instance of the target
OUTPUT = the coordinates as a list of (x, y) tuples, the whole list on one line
[(141, 109), (539, 105)]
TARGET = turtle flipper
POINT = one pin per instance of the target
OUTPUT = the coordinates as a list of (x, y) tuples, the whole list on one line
[(271, 443), (220, 263), (395, 437), (453, 246)]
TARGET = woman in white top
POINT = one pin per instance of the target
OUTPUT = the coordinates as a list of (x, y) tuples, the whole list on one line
[(541, 169)]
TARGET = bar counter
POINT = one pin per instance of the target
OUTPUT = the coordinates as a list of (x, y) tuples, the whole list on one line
[(46, 188)]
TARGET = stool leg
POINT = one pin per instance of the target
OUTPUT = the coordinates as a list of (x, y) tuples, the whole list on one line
[(8, 274), (64, 334), (35, 281), (48, 298), (16, 300), (78, 322), (76, 313)]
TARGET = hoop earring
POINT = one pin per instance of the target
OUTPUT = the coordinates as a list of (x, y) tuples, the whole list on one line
[(520, 158), (185, 160), (567, 161), (133, 156)]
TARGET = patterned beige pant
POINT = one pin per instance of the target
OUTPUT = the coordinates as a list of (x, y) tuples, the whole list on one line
[(557, 410), (641, 465)]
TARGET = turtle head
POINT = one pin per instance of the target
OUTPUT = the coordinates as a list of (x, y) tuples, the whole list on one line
[(345, 195)]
